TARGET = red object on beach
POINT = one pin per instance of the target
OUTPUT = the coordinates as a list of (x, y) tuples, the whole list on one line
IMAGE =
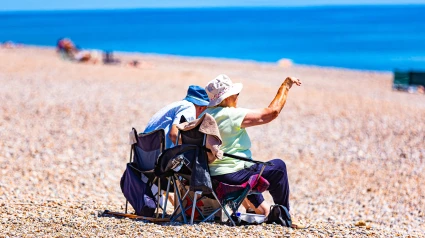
[(199, 204)]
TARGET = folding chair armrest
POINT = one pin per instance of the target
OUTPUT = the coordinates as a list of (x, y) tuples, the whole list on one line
[(267, 163)]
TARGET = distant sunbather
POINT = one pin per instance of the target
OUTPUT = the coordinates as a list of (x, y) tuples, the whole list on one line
[(67, 49), (9, 45)]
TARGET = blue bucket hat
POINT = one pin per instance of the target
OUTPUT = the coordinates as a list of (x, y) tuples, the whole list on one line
[(197, 95)]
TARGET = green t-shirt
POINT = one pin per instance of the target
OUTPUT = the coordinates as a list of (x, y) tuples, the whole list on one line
[(235, 139)]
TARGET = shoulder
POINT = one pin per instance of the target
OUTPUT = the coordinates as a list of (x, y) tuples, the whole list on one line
[(185, 104), (180, 105), (186, 109), (230, 115)]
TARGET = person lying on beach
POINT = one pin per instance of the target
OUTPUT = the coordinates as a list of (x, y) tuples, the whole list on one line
[(9, 45), (67, 49), (232, 122)]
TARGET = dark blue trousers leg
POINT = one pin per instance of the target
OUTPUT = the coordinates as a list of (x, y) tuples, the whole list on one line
[(278, 179)]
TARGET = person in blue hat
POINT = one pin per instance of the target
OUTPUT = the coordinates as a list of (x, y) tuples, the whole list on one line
[(195, 102)]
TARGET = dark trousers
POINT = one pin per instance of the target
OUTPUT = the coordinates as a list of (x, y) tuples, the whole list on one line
[(276, 175)]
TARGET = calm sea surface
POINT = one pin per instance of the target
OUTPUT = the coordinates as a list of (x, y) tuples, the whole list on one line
[(359, 37)]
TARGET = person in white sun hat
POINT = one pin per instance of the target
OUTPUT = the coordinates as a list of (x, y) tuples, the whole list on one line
[(232, 121)]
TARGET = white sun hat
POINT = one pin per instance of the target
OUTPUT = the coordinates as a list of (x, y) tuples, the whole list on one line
[(221, 88)]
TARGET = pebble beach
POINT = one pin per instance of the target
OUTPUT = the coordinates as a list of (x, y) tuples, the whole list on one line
[(354, 148)]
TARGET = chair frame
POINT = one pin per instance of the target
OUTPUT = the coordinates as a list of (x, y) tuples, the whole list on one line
[(131, 160)]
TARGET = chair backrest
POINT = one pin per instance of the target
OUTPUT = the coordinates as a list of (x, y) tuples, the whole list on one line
[(193, 136), (147, 148), (200, 168)]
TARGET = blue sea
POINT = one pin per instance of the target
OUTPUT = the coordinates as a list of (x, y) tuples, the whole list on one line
[(359, 37)]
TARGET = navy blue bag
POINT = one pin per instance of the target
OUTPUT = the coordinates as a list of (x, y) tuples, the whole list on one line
[(137, 192), (279, 214)]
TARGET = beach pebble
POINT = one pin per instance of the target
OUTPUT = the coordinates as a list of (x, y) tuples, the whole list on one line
[(360, 223), (353, 148)]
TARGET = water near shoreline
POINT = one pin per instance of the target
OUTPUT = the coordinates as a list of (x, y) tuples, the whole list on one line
[(359, 37)]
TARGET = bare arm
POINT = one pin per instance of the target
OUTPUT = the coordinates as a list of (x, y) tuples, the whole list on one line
[(261, 116), (173, 133)]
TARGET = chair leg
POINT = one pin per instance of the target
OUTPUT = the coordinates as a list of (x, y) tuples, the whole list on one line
[(211, 215), (191, 199), (224, 210), (178, 206), (164, 211), (159, 197), (186, 195), (180, 201), (194, 205), (126, 206)]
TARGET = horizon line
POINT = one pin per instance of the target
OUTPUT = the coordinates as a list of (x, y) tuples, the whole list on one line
[(212, 7)]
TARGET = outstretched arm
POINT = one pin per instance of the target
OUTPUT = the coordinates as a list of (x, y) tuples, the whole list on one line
[(261, 116)]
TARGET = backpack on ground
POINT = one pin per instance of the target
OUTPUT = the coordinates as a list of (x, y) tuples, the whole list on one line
[(279, 214)]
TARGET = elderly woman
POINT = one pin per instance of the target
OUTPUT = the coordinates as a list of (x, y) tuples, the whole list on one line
[(232, 121)]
